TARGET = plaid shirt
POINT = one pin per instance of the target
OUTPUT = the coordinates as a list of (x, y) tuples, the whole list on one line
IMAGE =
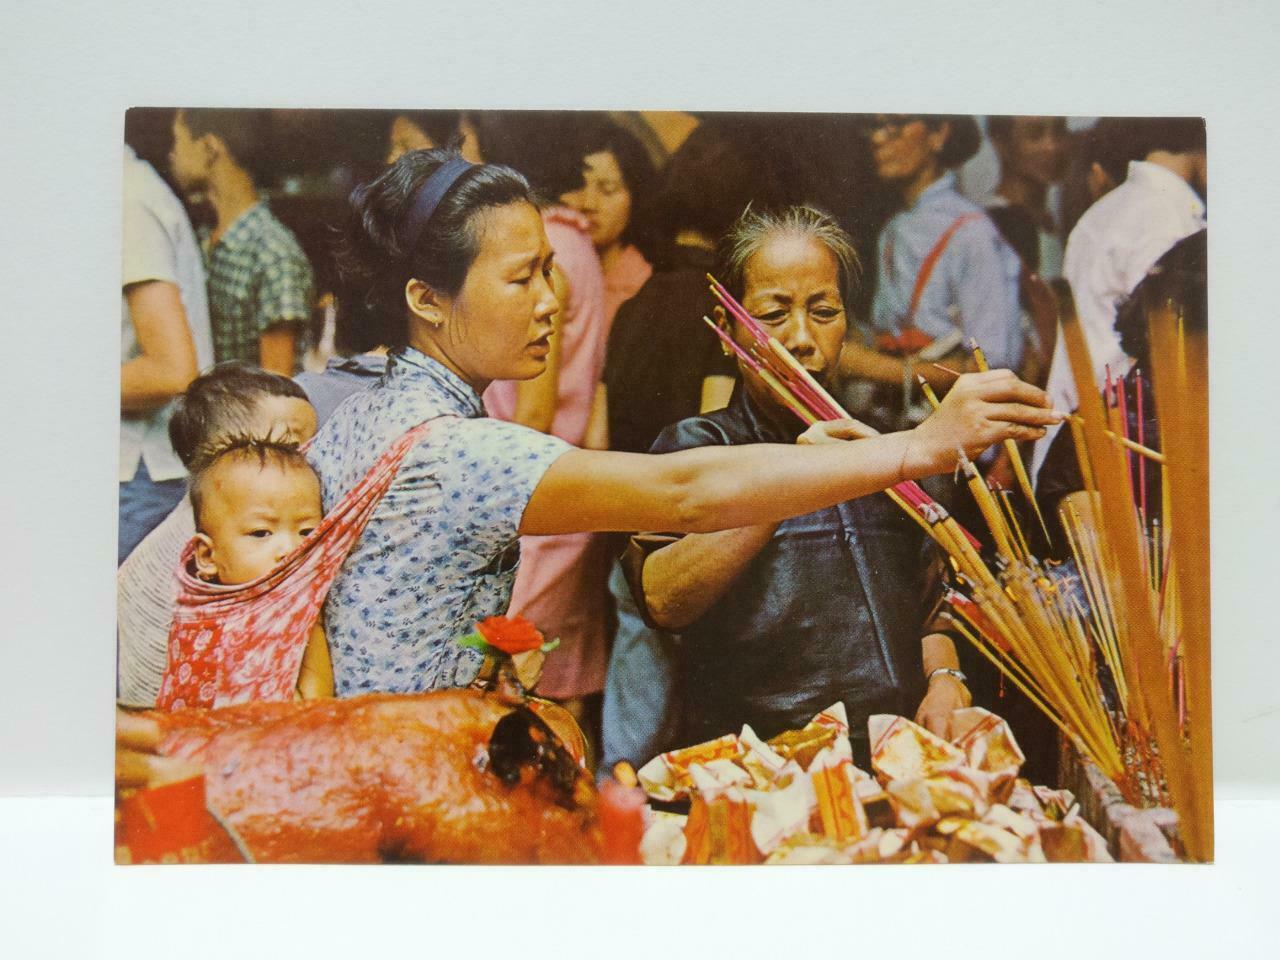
[(258, 278)]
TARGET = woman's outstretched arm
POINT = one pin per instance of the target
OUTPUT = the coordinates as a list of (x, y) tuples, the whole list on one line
[(718, 488)]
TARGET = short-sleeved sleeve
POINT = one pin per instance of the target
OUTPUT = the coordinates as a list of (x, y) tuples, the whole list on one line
[(149, 252), (284, 288), (487, 473)]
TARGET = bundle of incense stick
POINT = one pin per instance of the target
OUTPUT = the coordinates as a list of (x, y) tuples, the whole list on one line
[(1147, 564), (1116, 656), (1037, 631), (800, 393), (1051, 638), (1153, 517), (1084, 650), (1064, 642)]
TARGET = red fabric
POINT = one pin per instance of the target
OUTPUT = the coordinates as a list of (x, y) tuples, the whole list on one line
[(910, 340), (240, 643)]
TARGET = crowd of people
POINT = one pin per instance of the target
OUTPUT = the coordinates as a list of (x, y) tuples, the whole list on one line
[(527, 412)]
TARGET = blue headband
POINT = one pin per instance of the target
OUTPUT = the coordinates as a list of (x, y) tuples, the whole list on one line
[(429, 196)]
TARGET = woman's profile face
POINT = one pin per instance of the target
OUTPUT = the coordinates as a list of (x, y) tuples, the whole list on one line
[(498, 327), (905, 147), (792, 286), (604, 199)]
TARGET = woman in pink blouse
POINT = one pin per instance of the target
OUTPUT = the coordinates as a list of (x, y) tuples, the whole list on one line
[(616, 178)]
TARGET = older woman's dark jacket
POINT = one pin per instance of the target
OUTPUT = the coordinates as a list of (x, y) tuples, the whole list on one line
[(830, 610)]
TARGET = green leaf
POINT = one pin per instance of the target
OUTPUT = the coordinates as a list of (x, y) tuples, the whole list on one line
[(550, 645), (476, 641)]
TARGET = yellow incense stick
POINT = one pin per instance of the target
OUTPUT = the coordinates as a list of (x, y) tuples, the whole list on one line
[(1011, 518), (1142, 648), (1011, 448), (928, 392), (1180, 375), (1137, 447), (1125, 442), (990, 512)]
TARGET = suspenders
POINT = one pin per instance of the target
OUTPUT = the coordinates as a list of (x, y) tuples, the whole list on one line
[(912, 339)]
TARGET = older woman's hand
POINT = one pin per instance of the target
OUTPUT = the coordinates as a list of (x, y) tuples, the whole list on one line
[(945, 696), (836, 431), (980, 410)]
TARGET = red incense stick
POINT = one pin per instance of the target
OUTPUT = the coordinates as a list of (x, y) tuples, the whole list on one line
[(768, 356), (1142, 461)]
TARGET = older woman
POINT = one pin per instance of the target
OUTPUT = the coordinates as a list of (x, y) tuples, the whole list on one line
[(781, 619), (455, 254), (944, 274)]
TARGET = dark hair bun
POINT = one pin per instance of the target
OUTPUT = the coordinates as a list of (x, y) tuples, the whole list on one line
[(374, 256)]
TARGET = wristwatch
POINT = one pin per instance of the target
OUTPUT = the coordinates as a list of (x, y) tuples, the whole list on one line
[(949, 671)]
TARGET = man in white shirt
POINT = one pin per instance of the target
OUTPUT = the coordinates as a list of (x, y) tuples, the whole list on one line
[(1119, 239), (164, 342)]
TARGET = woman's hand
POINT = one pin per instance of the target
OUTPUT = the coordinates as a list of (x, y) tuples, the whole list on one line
[(835, 431), (981, 409), (946, 695)]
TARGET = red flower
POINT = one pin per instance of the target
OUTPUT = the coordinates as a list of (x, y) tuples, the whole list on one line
[(511, 635)]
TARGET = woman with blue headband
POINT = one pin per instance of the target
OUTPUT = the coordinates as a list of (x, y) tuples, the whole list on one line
[(454, 260)]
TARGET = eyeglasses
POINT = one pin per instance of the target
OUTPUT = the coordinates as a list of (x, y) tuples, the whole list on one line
[(890, 123)]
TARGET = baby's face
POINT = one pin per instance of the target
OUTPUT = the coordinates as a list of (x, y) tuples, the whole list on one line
[(253, 516)]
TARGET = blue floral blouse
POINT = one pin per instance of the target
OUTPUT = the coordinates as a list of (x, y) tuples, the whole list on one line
[(440, 551)]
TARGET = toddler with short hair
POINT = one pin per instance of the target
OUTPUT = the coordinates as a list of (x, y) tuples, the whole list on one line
[(255, 501), (234, 399)]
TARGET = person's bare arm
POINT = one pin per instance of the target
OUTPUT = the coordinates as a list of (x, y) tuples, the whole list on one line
[(709, 489), (681, 581), (278, 349), (167, 362), (861, 362), (315, 678), (537, 399)]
